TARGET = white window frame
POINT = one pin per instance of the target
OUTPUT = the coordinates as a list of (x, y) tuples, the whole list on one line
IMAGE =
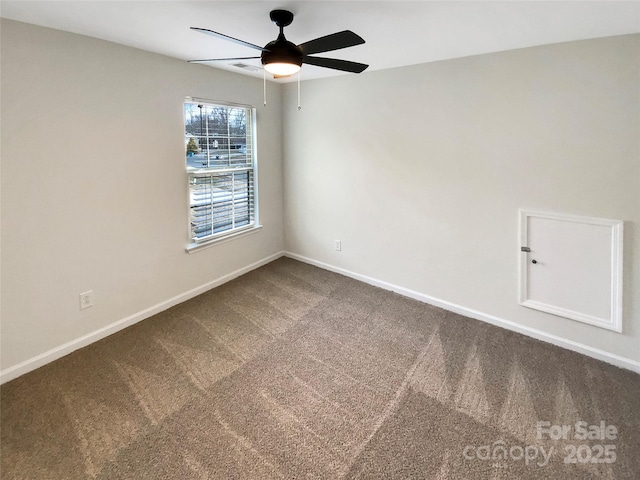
[(191, 173)]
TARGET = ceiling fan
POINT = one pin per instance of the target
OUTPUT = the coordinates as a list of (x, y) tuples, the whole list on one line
[(282, 58)]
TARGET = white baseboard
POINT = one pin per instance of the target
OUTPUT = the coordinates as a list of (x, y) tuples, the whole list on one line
[(596, 353), (65, 349), (62, 350)]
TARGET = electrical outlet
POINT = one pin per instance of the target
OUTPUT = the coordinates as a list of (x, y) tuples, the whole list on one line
[(338, 246), (86, 299)]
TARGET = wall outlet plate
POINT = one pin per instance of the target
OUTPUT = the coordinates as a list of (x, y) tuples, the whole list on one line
[(86, 299)]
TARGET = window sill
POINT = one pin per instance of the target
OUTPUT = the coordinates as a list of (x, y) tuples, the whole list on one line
[(196, 247)]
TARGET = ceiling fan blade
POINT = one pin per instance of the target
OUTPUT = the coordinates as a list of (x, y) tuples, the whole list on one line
[(336, 64), (226, 37), (335, 41), (221, 59)]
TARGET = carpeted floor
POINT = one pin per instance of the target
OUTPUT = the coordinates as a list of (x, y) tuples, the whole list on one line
[(295, 372)]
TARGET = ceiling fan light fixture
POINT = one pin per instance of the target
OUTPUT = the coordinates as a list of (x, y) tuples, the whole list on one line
[(282, 69)]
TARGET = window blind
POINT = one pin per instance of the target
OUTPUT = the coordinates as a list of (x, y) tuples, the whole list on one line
[(221, 201)]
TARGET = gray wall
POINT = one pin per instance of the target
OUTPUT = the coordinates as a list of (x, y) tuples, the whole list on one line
[(94, 190), (420, 171)]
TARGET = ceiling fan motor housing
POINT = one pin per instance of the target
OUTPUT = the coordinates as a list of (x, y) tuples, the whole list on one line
[(281, 50)]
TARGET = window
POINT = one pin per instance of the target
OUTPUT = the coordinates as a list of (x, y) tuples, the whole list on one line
[(221, 168)]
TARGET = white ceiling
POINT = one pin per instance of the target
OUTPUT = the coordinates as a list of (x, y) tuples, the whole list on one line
[(397, 33)]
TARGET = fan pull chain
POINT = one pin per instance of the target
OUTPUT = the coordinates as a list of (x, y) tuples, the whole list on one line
[(299, 107), (264, 86)]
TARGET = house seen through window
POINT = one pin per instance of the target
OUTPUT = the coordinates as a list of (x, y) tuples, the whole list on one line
[(221, 168)]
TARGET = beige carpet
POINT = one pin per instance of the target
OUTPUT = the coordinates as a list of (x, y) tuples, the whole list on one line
[(295, 372)]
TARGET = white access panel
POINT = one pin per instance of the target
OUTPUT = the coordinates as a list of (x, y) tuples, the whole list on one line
[(572, 267)]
